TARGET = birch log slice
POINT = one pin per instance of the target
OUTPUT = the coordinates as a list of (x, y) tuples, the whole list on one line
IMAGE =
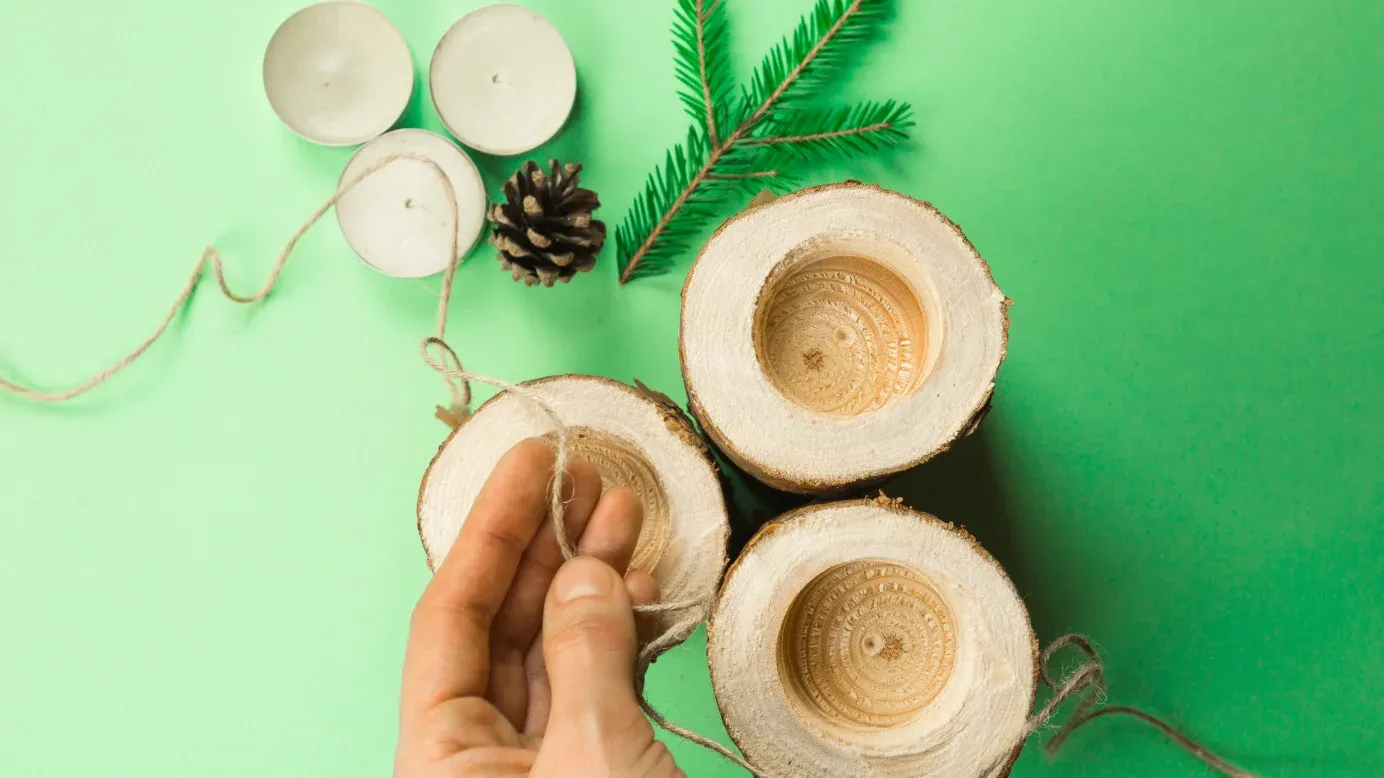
[(633, 440), (862, 638), (838, 335)]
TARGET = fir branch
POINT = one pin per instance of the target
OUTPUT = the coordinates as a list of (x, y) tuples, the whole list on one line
[(817, 46), (679, 199), (866, 127), (703, 63), (673, 206)]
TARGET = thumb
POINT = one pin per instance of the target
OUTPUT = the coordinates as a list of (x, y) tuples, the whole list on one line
[(589, 647)]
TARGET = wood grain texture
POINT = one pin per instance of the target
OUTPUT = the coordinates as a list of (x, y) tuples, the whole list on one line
[(867, 644), (840, 335)]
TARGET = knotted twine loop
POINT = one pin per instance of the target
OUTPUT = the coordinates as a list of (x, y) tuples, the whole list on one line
[(444, 360), (1087, 680)]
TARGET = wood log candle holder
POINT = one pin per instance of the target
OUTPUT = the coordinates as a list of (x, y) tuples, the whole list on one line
[(863, 638), (636, 441), (839, 335)]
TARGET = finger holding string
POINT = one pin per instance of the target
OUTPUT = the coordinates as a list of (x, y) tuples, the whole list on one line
[(449, 370), (517, 623), (642, 590), (608, 525), (610, 536)]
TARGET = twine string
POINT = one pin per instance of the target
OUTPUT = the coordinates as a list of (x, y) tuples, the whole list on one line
[(211, 258), (1087, 680)]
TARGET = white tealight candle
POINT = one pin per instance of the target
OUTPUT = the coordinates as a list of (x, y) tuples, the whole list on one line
[(503, 80), (398, 219), (338, 73)]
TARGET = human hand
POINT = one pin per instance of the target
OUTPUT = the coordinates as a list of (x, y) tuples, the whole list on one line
[(519, 664)]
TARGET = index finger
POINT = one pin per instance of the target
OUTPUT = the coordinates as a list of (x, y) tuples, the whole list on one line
[(449, 637)]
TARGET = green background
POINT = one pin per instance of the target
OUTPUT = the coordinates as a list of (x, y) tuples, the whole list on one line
[(207, 567)]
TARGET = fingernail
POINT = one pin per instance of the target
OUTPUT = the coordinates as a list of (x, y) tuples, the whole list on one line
[(582, 578)]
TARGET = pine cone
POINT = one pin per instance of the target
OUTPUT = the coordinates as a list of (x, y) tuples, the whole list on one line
[(543, 230)]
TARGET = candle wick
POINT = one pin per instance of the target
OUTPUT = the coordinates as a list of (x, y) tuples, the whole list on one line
[(495, 79)]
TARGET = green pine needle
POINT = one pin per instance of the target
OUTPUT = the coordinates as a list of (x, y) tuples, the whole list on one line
[(740, 145), (703, 65), (803, 63), (681, 198), (817, 134)]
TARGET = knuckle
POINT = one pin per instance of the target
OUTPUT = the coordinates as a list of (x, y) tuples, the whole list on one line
[(544, 560), (435, 605), (504, 539), (589, 630), (533, 454)]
